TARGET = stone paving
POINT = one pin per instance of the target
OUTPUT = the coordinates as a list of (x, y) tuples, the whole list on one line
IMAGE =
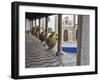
[(38, 55)]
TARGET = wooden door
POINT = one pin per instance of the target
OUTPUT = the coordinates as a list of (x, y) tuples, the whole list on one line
[(65, 35)]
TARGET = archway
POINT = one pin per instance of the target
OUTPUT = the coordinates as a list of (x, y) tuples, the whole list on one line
[(65, 35)]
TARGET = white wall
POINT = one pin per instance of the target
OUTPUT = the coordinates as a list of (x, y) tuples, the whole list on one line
[(28, 24), (70, 17), (5, 40), (51, 23)]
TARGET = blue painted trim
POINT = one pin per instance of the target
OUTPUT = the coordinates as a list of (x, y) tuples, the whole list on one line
[(70, 49)]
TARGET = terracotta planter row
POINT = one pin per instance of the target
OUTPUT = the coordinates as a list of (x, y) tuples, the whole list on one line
[(51, 41)]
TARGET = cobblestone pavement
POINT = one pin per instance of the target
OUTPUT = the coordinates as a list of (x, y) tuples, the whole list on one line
[(37, 55)]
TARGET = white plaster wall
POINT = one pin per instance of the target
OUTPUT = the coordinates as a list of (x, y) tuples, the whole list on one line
[(51, 24), (27, 24)]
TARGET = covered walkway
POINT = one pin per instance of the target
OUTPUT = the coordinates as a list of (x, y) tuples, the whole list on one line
[(37, 55)]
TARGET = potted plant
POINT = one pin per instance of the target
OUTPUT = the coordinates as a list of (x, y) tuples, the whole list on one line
[(27, 31), (33, 31), (51, 40), (49, 30), (37, 32), (42, 36)]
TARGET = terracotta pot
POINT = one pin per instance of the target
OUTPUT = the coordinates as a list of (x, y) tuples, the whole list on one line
[(51, 42), (42, 36), (37, 34), (33, 33)]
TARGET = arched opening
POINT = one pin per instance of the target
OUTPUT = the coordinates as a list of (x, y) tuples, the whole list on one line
[(65, 35)]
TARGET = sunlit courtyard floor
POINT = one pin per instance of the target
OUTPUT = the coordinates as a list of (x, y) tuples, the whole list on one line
[(38, 55)]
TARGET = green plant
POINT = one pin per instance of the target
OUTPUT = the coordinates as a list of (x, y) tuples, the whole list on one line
[(33, 29), (51, 40), (53, 34), (37, 28), (27, 31), (56, 36), (49, 30)]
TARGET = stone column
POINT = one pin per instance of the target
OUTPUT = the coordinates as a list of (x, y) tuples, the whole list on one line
[(79, 39), (59, 34), (39, 26), (31, 24), (43, 24), (35, 22), (56, 24), (73, 30), (46, 27), (85, 43)]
